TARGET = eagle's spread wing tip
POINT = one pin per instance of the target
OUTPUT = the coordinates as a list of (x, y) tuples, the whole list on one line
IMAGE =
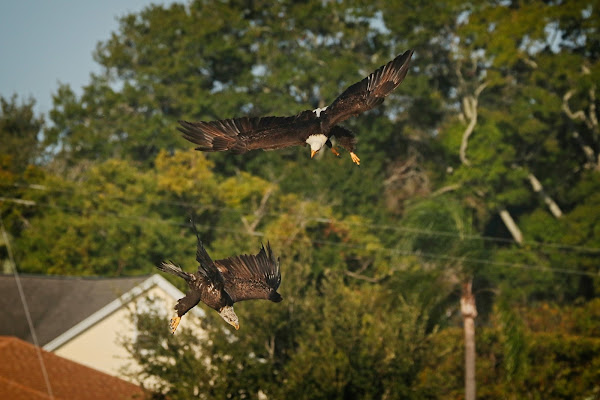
[(252, 276)]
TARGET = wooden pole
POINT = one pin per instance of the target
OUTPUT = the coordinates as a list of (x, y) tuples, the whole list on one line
[(469, 313)]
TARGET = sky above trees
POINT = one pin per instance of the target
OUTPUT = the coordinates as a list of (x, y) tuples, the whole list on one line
[(45, 44)]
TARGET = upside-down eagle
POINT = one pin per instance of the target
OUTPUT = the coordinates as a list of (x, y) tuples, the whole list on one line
[(315, 127), (220, 283)]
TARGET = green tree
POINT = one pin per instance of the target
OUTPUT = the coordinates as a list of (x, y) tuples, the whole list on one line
[(327, 339), (558, 343), (20, 155), (19, 132), (494, 127), (452, 251), (212, 61), (107, 222), (524, 75)]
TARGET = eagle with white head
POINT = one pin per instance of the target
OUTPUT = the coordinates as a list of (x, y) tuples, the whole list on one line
[(312, 127)]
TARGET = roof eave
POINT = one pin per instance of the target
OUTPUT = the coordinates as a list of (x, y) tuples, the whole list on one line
[(154, 280)]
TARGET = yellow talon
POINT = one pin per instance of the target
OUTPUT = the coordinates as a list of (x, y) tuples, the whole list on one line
[(334, 151), (174, 324), (355, 158)]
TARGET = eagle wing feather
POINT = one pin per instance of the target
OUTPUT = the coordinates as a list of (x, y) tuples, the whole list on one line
[(239, 135), (250, 277), (369, 92)]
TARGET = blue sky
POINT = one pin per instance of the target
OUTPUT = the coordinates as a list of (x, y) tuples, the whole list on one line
[(44, 42)]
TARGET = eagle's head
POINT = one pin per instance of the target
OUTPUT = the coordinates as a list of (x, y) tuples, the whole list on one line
[(229, 316), (316, 142)]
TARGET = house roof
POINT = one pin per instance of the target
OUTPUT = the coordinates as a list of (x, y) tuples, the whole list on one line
[(21, 376), (56, 303), (63, 307), (154, 280)]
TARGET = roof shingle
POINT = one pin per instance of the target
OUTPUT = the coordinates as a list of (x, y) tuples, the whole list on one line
[(21, 377), (55, 303)]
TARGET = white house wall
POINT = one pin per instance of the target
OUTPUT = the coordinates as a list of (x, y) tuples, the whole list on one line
[(99, 345)]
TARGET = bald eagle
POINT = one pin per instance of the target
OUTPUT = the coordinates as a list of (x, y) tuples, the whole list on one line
[(220, 283), (314, 128)]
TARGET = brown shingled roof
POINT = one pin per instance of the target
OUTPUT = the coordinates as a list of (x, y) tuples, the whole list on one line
[(56, 304), (21, 377)]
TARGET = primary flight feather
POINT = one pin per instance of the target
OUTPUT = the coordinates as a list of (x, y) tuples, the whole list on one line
[(312, 127)]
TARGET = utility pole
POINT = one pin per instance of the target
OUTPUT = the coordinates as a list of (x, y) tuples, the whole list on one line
[(469, 313)]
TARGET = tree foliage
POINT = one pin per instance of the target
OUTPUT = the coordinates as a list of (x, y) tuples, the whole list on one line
[(372, 257)]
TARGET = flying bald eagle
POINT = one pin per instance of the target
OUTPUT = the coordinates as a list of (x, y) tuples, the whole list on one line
[(315, 127), (220, 283)]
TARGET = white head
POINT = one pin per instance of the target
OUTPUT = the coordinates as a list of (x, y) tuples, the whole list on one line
[(229, 316), (316, 142)]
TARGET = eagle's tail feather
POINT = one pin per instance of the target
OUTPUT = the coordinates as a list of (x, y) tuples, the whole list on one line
[(170, 268)]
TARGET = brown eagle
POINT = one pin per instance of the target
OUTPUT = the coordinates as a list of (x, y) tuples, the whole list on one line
[(315, 127), (220, 283)]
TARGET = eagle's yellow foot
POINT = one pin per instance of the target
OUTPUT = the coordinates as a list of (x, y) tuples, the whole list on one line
[(174, 324), (355, 158), (334, 151)]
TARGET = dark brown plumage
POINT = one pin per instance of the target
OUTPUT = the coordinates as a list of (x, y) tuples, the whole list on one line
[(221, 283), (315, 127)]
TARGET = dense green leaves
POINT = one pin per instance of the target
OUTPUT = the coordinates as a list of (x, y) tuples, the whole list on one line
[(373, 256), (20, 128), (558, 361)]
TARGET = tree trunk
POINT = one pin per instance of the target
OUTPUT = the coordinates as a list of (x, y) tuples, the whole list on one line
[(469, 313), (511, 225)]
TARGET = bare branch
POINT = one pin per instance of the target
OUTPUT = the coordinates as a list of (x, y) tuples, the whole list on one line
[(590, 120), (270, 347), (364, 266), (470, 111), (259, 213), (538, 188), (593, 117), (480, 89), (511, 225), (593, 161), (18, 201), (530, 62), (459, 74), (363, 277), (578, 115), (445, 189), (404, 170), (469, 105), (301, 221)]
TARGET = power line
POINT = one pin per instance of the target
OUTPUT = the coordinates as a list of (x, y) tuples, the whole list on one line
[(347, 245), (433, 232), (463, 259), (26, 308), (429, 232)]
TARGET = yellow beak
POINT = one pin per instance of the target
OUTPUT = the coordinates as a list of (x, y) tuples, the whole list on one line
[(237, 327), (312, 153)]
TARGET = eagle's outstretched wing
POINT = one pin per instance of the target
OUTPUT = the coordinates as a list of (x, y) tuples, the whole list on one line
[(207, 286), (250, 277), (370, 92), (210, 274), (239, 135)]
